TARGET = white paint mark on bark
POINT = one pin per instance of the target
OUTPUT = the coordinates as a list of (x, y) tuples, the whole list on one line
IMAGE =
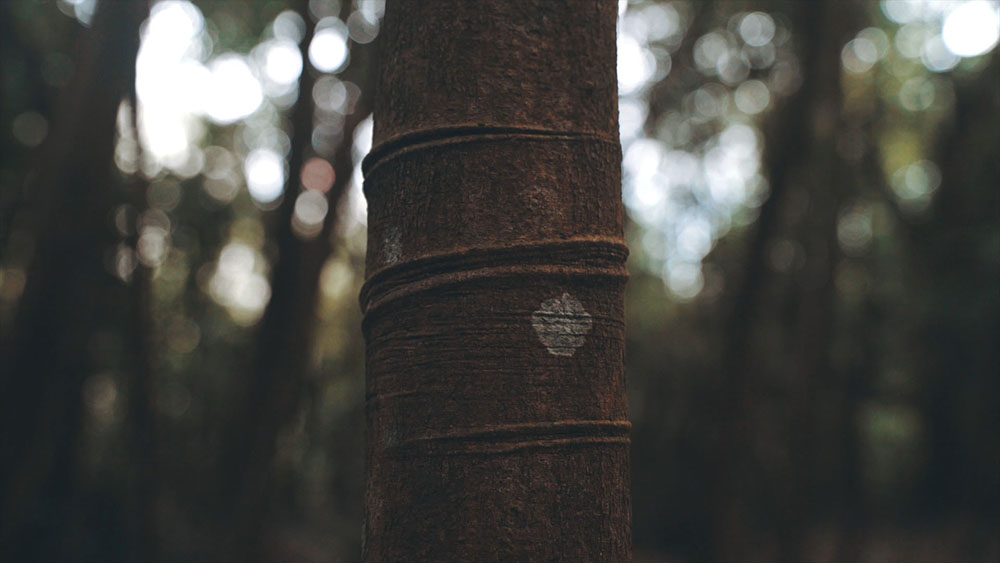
[(391, 436), (392, 247), (562, 324)]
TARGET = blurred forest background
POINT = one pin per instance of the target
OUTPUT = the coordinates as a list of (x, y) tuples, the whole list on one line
[(812, 190)]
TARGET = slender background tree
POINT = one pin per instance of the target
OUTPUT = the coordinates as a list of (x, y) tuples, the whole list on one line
[(50, 349)]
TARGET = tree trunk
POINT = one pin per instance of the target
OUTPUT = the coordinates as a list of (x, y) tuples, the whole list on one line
[(286, 332), (50, 351), (786, 128), (497, 424)]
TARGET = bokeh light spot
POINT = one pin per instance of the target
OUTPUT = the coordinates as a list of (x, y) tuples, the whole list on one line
[(362, 29), (232, 92), (854, 230), (752, 97), (972, 28), (289, 25), (282, 61), (636, 64), (910, 40), (859, 55), (265, 174), (328, 50), (707, 51), (684, 280), (317, 174), (757, 29), (238, 285), (311, 208), (330, 94), (915, 184), (917, 94), (936, 57), (164, 194), (30, 128)]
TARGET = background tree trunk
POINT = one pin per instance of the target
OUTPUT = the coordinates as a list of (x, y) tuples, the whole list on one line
[(50, 349), (497, 423), (285, 335)]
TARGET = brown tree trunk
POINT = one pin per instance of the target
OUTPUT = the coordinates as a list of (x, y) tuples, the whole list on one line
[(497, 424)]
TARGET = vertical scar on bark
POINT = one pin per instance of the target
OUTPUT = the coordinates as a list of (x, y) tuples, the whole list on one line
[(562, 324)]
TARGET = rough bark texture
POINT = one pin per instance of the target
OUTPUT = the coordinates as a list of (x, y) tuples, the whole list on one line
[(497, 423)]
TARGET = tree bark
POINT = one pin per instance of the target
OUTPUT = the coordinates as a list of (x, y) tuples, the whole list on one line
[(497, 420)]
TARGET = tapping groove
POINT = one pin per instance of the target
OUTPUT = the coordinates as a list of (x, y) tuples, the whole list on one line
[(585, 256), (506, 438), (459, 134)]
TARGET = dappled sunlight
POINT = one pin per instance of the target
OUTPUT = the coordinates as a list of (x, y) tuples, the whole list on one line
[(238, 283), (311, 208), (282, 61), (941, 34), (690, 196), (231, 89), (328, 49), (972, 28), (170, 78), (753, 66), (915, 184), (636, 65), (265, 174)]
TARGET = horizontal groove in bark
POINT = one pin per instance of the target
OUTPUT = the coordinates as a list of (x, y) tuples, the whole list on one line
[(594, 256), (501, 448), (512, 62), (492, 193), (499, 439), (457, 134), (453, 278), (472, 355)]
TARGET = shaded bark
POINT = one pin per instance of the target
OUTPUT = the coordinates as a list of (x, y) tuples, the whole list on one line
[(497, 424), (48, 354)]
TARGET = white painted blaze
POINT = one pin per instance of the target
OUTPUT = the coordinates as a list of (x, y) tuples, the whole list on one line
[(562, 324), (392, 247)]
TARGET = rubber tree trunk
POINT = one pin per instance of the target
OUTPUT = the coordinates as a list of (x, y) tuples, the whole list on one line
[(497, 423)]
